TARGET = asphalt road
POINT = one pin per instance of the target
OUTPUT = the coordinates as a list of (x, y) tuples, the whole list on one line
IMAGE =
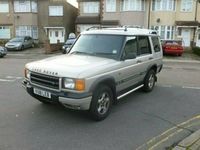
[(26, 124)]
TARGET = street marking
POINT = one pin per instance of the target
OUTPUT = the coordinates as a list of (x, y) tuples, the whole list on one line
[(191, 87), (13, 77), (5, 80), (10, 79), (170, 133)]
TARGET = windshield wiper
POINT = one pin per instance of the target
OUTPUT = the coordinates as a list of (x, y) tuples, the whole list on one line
[(79, 52), (102, 53)]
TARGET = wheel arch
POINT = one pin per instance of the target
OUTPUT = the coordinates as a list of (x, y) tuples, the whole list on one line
[(108, 81), (152, 67)]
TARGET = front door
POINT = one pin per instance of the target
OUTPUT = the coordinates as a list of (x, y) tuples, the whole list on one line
[(198, 39), (56, 35), (186, 37)]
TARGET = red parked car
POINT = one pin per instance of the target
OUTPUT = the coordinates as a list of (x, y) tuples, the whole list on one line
[(173, 47)]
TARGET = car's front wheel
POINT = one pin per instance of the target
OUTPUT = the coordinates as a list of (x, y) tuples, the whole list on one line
[(101, 102), (22, 47)]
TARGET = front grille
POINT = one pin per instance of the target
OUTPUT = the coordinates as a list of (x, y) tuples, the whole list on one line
[(45, 80)]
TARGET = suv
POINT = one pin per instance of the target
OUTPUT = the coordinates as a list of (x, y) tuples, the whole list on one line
[(103, 66)]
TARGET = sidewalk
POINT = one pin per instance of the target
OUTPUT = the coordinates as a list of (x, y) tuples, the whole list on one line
[(192, 142)]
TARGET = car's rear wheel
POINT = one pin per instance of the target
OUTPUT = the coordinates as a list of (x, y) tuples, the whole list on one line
[(32, 45), (101, 102), (149, 81)]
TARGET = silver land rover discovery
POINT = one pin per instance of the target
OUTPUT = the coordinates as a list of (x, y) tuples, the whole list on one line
[(103, 66)]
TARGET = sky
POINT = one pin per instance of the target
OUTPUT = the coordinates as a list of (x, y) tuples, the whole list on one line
[(73, 2)]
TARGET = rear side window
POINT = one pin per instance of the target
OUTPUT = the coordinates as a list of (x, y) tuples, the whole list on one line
[(156, 44), (143, 45)]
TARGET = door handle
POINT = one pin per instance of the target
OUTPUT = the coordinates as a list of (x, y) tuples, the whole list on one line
[(150, 58)]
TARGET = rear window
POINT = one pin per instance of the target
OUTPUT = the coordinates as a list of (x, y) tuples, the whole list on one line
[(143, 45), (156, 44)]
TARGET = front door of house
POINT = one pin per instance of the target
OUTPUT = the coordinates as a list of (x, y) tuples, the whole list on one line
[(198, 39), (186, 37), (56, 35)]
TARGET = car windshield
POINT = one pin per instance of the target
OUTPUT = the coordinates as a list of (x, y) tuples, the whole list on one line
[(17, 40), (108, 46)]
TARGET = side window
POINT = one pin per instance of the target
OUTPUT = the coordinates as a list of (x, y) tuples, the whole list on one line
[(130, 48), (156, 44), (143, 45)]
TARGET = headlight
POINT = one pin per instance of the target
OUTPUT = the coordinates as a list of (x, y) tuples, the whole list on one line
[(27, 73), (18, 45), (74, 84)]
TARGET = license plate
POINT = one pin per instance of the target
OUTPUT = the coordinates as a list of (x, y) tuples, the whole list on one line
[(42, 93)]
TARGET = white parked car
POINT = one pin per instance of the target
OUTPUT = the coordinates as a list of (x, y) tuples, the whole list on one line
[(102, 67)]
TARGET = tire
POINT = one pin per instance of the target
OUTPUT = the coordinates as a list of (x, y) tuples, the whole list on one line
[(101, 103), (22, 48), (64, 51), (32, 45), (149, 81)]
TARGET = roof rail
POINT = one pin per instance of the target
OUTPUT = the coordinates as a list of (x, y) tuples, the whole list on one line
[(125, 28), (100, 27)]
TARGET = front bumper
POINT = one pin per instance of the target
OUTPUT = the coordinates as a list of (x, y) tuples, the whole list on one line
[(70, 100), (13, 48)]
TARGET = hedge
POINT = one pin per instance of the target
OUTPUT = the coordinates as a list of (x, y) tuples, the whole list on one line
[(196, 50)]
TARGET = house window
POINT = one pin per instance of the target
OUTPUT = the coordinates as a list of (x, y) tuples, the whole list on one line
[(186, 5), (22, 6), (143, 45), (179, 31), (27, 31), (110, 5), (163, 5), (34, 32), (56, 33), (165, 32), (4, 7), (91, 7), (34, 6), (132, 5), (55, 10), (4, 32)]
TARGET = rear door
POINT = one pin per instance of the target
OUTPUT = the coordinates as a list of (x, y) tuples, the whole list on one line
[(145, 55)]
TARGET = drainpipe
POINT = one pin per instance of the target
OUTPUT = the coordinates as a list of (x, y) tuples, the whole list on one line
[(149, 14), (195, 19)]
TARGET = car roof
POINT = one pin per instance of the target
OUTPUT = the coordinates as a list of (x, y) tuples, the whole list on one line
[(122, 31)]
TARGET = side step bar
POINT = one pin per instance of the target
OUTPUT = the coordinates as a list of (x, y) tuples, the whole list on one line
[(125, 94)]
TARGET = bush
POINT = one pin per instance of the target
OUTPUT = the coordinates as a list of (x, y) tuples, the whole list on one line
[(3, 42), (196, 50)]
